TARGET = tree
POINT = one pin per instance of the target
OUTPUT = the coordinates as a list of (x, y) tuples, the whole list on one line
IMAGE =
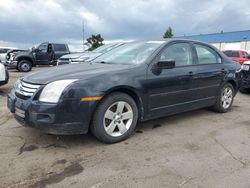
[(168, 33), (95, 41)]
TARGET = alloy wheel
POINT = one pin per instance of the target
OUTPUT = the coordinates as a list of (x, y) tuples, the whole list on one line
[(118, 118), (227, 97)]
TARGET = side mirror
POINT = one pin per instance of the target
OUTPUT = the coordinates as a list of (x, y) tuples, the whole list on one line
[(166, 64)]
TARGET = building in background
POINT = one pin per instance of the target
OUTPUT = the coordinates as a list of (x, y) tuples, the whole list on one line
[(236, 40)]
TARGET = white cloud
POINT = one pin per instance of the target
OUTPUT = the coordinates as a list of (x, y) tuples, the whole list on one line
[(35, 21)]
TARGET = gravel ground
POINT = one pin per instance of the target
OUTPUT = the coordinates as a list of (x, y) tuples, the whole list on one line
[(195, 149)]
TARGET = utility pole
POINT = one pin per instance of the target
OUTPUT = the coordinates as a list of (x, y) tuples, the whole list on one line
[(83, 46)]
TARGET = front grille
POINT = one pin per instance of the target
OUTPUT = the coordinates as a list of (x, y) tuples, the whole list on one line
[(19, 112), (25, 89)]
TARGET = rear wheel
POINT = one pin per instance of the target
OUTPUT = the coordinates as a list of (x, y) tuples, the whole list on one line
[(115, 118), (225, 99), (24, 66)]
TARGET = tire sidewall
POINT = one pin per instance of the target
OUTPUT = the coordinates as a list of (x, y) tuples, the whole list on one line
[(24, 62), (99, 131)]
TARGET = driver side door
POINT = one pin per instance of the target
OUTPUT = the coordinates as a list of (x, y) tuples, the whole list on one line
[(42, 55), (169, 90)]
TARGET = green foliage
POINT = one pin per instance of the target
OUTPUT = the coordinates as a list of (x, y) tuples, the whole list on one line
[(168, 33), (95, 41)]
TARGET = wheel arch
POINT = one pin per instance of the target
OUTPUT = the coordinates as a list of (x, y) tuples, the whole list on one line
[(133, 94), (234, 84), (25, 58)]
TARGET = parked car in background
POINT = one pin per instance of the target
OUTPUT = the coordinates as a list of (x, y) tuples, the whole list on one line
[(4, 75), (86, 56), (136, 81), (45, 54), (3, 53), (12, 52), (245, 83), (237, 55)]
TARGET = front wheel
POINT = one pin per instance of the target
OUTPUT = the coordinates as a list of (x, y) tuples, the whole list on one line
[(115, 118), (24, 66), (225, 98)]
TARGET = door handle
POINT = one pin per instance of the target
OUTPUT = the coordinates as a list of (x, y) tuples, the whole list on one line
[(191, 73)]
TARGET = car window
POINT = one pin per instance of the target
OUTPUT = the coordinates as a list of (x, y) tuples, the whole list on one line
[(228, 53), (60, 47), (180, 53), (207, 55), (235, 54), (43, 47)]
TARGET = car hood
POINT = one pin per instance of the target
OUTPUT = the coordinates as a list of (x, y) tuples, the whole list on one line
[(74, 71)]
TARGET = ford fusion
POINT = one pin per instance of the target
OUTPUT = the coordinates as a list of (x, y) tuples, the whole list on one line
[(137, 81)]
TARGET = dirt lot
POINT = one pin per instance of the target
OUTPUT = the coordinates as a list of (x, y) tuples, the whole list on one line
[(195, 149)]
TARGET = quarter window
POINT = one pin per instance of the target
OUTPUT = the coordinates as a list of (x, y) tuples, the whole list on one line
[(179, 52), (60, 47), (207, 55)]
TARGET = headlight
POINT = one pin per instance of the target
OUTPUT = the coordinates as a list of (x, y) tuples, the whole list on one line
[(52, 92)]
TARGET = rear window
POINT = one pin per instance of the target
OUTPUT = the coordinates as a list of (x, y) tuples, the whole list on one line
[(60, 47)]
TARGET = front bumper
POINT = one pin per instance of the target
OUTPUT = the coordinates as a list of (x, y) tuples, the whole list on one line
[(11, 64), (65, 118)]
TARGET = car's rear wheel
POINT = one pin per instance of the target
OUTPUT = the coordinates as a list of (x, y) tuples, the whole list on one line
[(115, 118), (24, 66), (225, 98)]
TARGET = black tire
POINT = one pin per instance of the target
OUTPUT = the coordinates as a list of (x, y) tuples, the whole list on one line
[(244, 90), (24, 66), (218, 107), (98, 126)]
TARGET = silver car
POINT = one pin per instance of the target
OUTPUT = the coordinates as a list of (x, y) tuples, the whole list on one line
[(86, 56)]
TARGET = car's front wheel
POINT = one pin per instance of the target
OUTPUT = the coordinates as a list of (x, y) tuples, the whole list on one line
[(225, 98), (115, 118), (24, 66)]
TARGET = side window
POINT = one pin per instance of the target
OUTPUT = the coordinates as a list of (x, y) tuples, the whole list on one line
[(60, 47), (235, 54), (228, 53), (180, 52), (207, 55), (43, 47)]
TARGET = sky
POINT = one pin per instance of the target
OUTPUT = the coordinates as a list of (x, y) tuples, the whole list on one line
[(24, 23)]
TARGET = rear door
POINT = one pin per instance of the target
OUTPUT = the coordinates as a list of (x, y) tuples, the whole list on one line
[(210, 73)]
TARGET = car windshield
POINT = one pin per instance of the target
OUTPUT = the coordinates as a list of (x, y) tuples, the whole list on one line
[(130, 53), (104, 48)]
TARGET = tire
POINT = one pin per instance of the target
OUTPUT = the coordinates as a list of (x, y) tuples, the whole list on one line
[(224, 99), (24, 66), (109, 124)]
